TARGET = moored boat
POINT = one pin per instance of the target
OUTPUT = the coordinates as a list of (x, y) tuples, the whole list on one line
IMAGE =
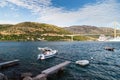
[(109, 48), (46, 53), (102, 37), (116, 39)]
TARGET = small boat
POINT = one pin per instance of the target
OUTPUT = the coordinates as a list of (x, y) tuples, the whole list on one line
[(46, 53), (102, 37), (82, 62), (109, 48)]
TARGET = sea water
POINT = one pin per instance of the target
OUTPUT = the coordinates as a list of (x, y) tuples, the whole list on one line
[(104, 65)]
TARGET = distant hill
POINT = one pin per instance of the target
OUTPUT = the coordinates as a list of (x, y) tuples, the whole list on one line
[(31, 28), (32, 31), (84, 29), (5, 26), (40, 31)]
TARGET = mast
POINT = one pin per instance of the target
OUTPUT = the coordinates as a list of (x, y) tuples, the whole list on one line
[(114, 29)]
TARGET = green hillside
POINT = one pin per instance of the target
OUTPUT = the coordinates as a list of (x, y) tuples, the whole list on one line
[(32, 31), (33, 28), (4, 26)]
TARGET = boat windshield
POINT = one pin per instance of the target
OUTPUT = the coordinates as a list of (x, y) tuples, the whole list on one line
[(47, 49)]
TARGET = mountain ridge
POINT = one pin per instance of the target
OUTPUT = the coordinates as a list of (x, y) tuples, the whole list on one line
[(85, 29), (32, 27), (34, 30)]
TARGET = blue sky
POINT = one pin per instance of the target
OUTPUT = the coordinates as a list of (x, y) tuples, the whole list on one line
[(62, 13), (72, 4)]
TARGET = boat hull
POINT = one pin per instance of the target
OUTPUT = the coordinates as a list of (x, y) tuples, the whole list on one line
[(45, 56)]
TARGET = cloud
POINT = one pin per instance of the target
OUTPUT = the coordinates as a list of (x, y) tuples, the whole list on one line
[(99, 14), (2, 3), (102, 13), (36, 6), (8, 22)]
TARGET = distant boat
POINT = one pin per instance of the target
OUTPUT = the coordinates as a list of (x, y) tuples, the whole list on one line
[(102, 37), (116, 38), (109, 48), (46, 53)]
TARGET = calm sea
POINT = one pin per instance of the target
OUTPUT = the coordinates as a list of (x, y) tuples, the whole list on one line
[(104, 65)]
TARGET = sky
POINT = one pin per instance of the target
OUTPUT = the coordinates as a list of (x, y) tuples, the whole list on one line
[(63, 13)]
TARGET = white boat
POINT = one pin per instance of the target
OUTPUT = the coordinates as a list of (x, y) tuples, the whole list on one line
[(102, 37), (116, 38), (110, 39), (46, 53), (82, 62)]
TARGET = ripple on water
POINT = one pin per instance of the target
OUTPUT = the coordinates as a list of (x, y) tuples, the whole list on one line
[(104, 65)]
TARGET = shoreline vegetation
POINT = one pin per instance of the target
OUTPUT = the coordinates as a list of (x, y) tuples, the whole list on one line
[(32, 31), (42, 38)]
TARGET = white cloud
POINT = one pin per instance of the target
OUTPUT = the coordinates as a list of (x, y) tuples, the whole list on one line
[(2, 3), (100, 14), (8, 22), (36, 6)]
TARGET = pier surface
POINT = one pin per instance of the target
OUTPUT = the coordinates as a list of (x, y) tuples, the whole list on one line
[(8, 63), (55, 68), (52, 70)]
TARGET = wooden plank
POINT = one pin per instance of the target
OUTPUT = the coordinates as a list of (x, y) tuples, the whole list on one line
[(8, 63), (56, 68)]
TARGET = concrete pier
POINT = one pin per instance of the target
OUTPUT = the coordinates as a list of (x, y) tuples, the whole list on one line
[(56, 68), (27, 76), (52, 70), (3, 77), (9, 63)]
